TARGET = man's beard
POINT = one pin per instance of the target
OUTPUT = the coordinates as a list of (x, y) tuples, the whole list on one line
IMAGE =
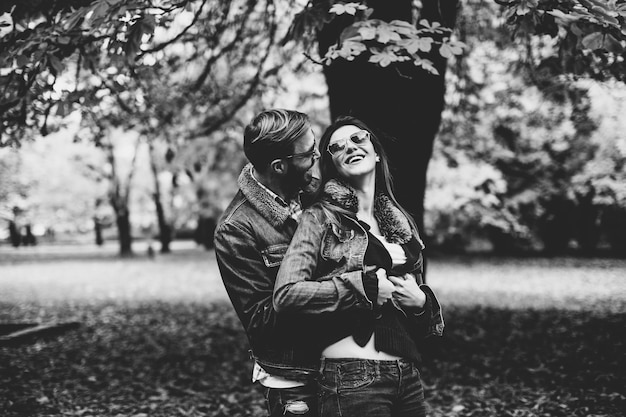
[(298, 180), (312, 186)]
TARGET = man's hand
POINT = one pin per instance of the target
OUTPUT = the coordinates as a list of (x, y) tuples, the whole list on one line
[(385, 287), (407, 293)]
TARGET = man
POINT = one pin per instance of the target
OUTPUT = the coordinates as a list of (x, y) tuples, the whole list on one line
[(251, 239)]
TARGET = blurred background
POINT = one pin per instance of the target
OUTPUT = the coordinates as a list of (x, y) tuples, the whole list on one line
[(121, 144), (529, 153)]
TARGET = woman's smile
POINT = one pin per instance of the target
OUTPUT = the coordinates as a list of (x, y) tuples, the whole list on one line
[(354, 159)]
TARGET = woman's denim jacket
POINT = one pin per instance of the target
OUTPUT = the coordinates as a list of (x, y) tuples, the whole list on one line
[(321, 250), (251, 239)]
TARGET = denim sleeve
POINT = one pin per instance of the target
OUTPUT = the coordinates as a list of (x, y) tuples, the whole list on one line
[(245, 277), (296, 288), (429, 321)]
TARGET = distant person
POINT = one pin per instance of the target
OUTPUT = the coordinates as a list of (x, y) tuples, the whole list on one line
[(370, 358), (251, 238)]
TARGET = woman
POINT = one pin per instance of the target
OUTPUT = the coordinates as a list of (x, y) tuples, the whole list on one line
[(356, 228)]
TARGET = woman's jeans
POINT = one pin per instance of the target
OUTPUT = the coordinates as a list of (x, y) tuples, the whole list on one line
[(298, 401), (370, 388)]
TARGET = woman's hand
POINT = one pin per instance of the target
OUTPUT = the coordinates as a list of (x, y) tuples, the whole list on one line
[(385, 287), (407, 293)]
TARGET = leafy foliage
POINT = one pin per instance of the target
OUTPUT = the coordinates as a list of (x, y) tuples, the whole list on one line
[(587, 37), (514, 162), (383, 42), (45, 183), (190, 359), (151, 60)]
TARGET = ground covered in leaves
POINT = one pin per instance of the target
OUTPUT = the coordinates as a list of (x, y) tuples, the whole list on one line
[(139, 356)]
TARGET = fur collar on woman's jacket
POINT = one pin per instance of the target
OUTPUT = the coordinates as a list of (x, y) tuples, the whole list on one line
[(392, 222)]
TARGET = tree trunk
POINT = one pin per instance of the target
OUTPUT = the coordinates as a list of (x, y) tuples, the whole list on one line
[(119, 196), (122, 219), (205, 231), (14, 234), (614, 223), (588, 221), (165, 229), (97, 227), (555, 227), (403, 104)]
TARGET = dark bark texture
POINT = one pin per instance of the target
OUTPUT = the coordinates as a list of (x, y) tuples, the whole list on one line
[(122, 219), (165, 228)]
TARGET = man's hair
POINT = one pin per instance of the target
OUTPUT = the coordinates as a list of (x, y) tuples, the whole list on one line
[(271, 134)]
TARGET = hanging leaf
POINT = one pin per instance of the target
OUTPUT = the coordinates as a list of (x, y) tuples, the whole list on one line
[(99, 10), (350, 32), (422, 44), (75, 18), (347, 8), (402, 27), (384, 57), (143, 26), (62, 109), (21, 61), (427, 65), (367, 32), (448, 50), (385, 33), (56, 64), (351, 49), (593, 41)]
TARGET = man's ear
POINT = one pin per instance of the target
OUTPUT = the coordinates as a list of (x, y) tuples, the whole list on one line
[(278, 166)]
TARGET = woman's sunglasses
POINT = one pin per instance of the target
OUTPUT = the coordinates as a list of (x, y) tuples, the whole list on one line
[(358, 138)]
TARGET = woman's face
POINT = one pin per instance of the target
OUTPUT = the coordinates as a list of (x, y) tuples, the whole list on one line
[(352, 153)]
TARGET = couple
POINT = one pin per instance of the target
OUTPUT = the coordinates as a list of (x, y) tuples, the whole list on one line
[(330, 297)]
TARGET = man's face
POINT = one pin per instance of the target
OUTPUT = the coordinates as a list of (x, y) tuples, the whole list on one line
[(303, 163)]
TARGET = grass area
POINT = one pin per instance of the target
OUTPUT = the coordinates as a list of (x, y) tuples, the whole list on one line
[(531, 337)]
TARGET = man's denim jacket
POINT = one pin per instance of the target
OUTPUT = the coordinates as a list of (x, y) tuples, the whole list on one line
[(321, 250), (251, 239)]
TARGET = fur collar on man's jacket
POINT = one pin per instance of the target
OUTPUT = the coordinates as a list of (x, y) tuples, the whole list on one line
[(275, 213), (392, 222)]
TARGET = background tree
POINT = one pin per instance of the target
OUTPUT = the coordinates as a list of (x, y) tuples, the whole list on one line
[(46, 182), (514, 156), (585, 37), (118, 27), (385, 63), (182, 82), (184, 74)]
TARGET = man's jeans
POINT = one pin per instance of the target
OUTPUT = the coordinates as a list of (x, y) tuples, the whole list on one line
[(298, 401), (370, 388)]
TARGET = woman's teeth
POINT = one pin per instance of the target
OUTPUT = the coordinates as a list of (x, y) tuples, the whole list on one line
[(354, 159)]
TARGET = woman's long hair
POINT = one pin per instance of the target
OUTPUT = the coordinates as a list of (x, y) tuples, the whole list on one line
[(384, 183)]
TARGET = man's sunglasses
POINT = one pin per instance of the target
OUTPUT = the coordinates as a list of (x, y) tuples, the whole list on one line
[(311, 153), (358, 138)]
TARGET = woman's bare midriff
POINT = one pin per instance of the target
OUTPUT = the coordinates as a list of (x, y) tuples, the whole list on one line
[(348, 348)]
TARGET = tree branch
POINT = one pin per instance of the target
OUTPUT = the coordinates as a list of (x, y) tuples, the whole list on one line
[(177, 37), (251, 87), (131, 172), (228, 47)]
